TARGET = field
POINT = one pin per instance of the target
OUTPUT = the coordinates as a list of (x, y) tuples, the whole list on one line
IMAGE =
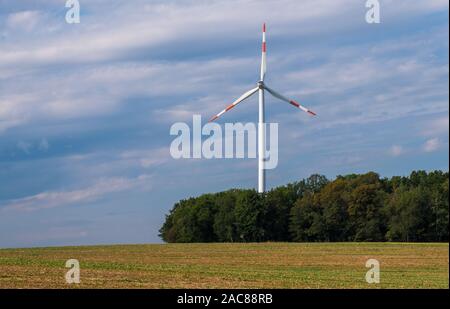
[(263, 265)]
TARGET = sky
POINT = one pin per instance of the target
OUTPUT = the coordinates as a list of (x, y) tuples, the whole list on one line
[(86, 109)]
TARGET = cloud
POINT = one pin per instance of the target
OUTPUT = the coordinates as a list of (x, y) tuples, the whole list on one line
[(103, 89), (23, 20), (374, 89), (432, 145), (11, 114), (121, 28), (437, 126), (53, 199), (396, 150), (147, 158), (150, 27), (100, 71)]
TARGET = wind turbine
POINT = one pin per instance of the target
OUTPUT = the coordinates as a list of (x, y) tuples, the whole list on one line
[(261, 86)]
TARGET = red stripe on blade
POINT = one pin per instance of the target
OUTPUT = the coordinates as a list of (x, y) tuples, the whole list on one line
[(264, 47), (312, 113), (264, 27), (213, 118), (294, 103), (229, 107)]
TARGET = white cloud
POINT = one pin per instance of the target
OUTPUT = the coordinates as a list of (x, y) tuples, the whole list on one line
[(11, 112), (24, 20), (111, 30), (437, 126), (53, 199), (9, 123), (151, 24), (146, 158), (97, 87), (432, 145), (358, 90), (101, 89), (396, 150)]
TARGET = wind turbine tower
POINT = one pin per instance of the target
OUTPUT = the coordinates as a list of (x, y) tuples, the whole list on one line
[(260, 88)]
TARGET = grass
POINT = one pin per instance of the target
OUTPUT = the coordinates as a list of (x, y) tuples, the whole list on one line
[(262, 265)]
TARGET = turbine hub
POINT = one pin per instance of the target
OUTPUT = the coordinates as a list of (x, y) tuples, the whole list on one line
[(261, 84)]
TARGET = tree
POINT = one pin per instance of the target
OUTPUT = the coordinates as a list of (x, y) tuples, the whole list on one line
[(365, 213), (410, 215), (203, 213), (250, 212), (333, 200), (167, 231), (307, 222), (225, 227), (190, 221), (440, 209), (279, 202), (350, 208)]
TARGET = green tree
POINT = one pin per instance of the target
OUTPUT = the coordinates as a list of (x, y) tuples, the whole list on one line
[(225, 227), (333, 199), (350, 208), (410, 215), (250, 213), (366, 213), (307, 223), (279, 202), (440, 209)]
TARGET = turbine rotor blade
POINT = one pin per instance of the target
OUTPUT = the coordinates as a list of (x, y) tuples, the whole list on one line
[(263, 55), (292, 102), (239, 100)]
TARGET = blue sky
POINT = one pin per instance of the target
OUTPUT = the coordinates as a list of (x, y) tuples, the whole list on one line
[(85, 109)]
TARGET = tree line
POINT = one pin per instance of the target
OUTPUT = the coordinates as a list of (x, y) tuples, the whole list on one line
[(354, 207)]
